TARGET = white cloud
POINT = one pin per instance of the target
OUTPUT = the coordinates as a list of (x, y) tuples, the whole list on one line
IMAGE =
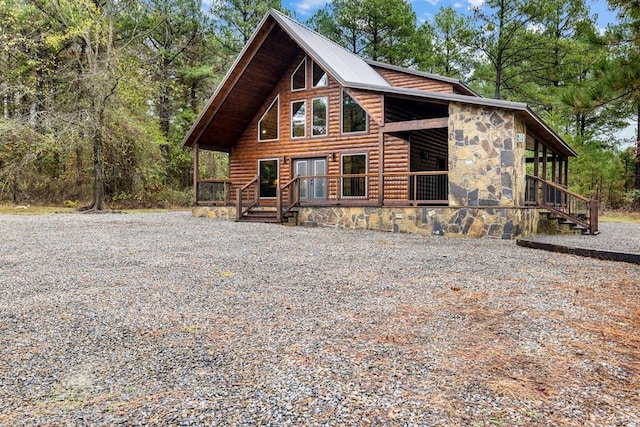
[(475, 3), (432, 2), (458, 5), (307, 7)]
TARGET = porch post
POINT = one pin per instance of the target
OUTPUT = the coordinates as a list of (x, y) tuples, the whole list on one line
[(380, 167), (536, 170), (544, 162), (536, 159), (566, 172), (554, 177), (196, 171)]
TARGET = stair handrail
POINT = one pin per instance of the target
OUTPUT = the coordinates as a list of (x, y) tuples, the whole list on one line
[(240, 208), (592, 204), (294, 197)]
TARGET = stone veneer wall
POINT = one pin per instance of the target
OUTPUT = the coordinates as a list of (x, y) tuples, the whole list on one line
[(215, 212), (504, 223), (486, 165)]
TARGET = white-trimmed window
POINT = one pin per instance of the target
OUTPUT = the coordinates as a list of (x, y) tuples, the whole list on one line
[(319, 115), (299, 77), (319, 76), (298, 119), (269, 122), (354, 118), (354, 183)]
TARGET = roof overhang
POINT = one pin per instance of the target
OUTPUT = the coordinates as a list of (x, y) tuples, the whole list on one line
[(248, 83), (534, 123)]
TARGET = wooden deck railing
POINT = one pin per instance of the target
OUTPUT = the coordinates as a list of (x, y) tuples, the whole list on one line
[(416, 188), (213, 192), (247, 197), (409, 189), (563, 202), (288, 197)]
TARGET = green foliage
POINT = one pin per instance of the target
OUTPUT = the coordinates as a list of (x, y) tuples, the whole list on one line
[(79, 74), (382, 30)]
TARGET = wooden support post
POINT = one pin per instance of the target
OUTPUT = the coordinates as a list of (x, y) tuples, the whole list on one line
[(381, 166), (536, 170), (196, 171), (554, 175), (544, 162)]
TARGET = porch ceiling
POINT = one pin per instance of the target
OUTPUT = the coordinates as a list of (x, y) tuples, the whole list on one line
[(244, 90)]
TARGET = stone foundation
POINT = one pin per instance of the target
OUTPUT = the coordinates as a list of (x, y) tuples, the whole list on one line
[(500, 223), (215, 212)]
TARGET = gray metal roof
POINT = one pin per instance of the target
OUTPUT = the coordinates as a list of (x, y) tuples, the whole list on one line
[(346, 67), (527, 114), (431, 76), (350, 71)]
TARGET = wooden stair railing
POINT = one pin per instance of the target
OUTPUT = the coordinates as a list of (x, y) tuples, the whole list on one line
[(563, 202), (252, 193), (292, 190)]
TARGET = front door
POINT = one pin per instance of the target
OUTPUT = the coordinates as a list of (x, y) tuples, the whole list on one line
[(312, 188), (268, 178)]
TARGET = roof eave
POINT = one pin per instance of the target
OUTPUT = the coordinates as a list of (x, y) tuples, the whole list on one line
[(189, 139), (488, 102)]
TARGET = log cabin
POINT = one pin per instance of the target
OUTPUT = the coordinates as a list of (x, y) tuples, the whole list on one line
[(319, 136)]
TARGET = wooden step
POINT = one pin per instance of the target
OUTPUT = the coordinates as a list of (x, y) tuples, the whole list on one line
[(260, 215)]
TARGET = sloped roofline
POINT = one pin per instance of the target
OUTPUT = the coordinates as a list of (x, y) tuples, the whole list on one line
[(521, 107), (354, 72), (419, 73)]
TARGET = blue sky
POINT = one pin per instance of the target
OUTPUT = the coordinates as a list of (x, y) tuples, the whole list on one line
[(426, 9)]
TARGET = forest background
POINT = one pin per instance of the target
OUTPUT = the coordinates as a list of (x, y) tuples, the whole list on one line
[(97, 94)]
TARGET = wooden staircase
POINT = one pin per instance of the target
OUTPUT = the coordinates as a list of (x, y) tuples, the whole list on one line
[(248, 208), (568, 208), (260, 214)]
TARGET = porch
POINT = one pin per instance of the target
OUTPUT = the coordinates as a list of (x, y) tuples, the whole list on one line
[(401, 202)]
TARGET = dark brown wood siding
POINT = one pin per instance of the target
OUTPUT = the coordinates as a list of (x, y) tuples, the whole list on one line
[(243, 160), (411, 81)]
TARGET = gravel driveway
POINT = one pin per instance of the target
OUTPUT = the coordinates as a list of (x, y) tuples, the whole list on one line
[(166, 319)]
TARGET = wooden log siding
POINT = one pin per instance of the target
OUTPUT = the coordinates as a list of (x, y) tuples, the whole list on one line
[(371, 102), (411, 81), (243, 164)]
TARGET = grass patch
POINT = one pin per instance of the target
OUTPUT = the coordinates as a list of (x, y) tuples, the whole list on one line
[(619, 216), (47, 210), (33, 210)]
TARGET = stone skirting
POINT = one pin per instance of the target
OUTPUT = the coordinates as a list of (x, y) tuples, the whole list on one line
[(501, 223), (215, 212)]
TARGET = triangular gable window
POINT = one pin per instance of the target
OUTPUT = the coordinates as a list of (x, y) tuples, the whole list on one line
[(354, 118), (320, 78), (299, 76), (268, 124)]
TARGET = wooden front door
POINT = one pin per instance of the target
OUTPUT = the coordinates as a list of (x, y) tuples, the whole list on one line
[(312, 188)]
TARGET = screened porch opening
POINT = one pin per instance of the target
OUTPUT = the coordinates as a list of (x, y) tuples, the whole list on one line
[(427, 182)]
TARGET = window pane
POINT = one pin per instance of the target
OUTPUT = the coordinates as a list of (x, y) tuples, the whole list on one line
[(354, 165), (268, 178), (268, 126), (320, 78), (298, 119), (319, 116), (301, 170), (298, 80), (354, 118)]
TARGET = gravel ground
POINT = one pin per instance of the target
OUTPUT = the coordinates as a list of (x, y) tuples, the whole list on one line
[(166, 319)]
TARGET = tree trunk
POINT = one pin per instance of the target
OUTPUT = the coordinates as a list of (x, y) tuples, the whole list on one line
[(98, 173)]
